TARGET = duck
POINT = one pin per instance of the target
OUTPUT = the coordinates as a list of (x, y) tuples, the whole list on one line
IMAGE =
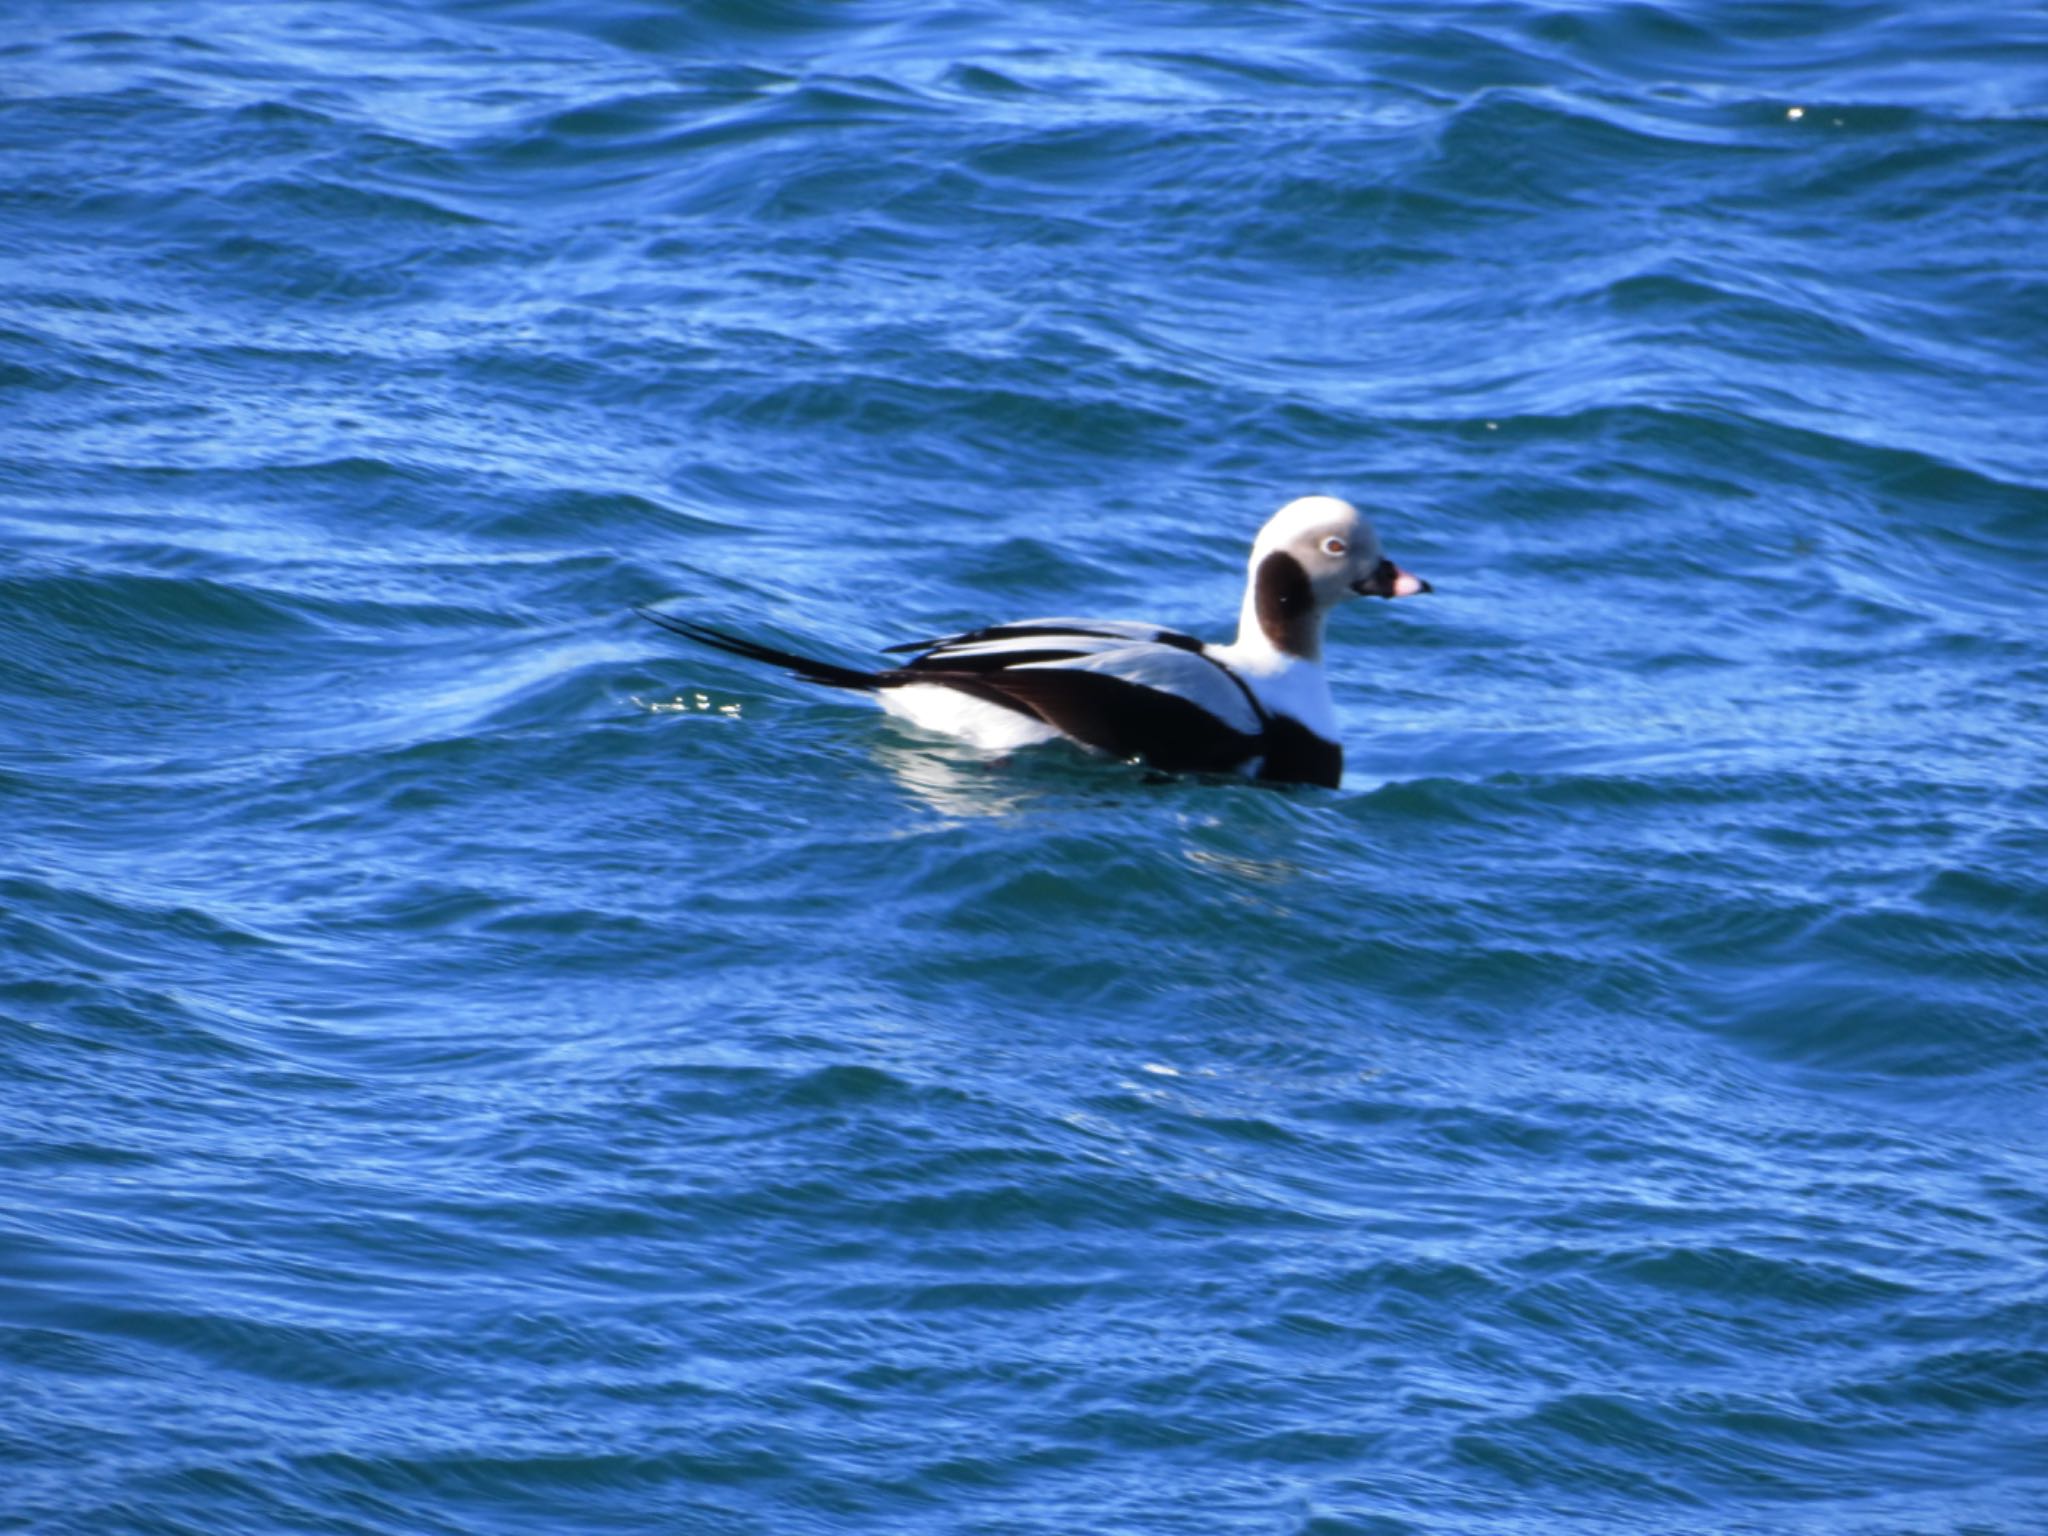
[(1258, 707)]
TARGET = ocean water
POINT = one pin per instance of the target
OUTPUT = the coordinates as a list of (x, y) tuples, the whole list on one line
[(472, 1063)]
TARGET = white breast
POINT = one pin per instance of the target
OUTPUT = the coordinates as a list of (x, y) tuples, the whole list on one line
[(1284, 685)]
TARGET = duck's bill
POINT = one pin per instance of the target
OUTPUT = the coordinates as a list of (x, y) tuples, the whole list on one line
[(1389, 580)]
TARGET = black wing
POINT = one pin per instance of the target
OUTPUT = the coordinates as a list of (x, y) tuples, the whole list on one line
[(1117, 716)]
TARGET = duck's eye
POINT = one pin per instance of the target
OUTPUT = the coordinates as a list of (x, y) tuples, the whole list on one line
[(1334, 545)]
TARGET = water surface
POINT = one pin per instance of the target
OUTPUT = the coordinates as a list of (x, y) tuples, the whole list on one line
[(471, 1063)]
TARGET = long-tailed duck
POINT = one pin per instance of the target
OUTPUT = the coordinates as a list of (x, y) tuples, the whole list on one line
[(1259, 706)]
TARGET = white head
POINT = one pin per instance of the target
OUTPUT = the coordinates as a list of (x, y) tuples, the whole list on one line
[(1313, 554)]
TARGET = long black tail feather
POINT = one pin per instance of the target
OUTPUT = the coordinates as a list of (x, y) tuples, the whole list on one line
[(809, 668)]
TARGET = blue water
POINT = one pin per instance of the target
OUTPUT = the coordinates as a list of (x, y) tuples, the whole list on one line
[(470, 1062)]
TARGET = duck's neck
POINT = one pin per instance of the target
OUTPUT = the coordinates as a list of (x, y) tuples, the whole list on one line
[(1280, 612)]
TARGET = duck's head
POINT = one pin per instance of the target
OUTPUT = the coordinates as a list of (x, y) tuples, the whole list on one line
[(1313, 554)]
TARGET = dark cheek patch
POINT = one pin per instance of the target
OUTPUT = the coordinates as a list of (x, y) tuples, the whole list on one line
[(1286, 604)]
